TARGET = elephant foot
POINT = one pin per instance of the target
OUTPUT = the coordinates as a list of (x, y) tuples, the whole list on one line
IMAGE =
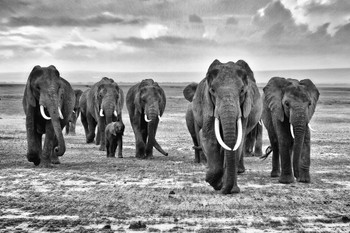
[(286, 179), (241, 170), (33, 158), (110, 156), (148, 157), (235, 189), (258, 153), (89, 140), (120, 156), (102, 148), (55, 161), (46, 164), (229, 190), (215, 180), (304, 177), (275, 173)]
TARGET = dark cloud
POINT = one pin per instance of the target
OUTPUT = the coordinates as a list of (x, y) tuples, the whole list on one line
[(7, 6), (343, 34), (69, 21), (274, 33), (231, 21), (195, 19)]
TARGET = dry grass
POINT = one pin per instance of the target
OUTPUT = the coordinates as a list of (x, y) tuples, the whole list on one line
[(89, 192)]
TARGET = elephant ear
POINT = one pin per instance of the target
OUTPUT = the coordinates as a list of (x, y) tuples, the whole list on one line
[(162, 96), (247, 76), (212, 73), (52, 67), (274, 91), (37, 71), (189, 91), (78, 94), (137, 100), (314, 94)]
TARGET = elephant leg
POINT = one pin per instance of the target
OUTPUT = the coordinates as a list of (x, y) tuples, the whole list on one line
[(140, 143), (48, 146), (240, 150), (285, 145), (304, 162), (215, 161), (108, 148), (101, 132), (258, 141), (276, 170), (92, 126), (85, 124), (34, 142), (120, 146), (98, 137), (114, 145), (53, 157)]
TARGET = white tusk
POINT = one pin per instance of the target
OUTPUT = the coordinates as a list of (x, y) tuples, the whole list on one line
[(160, 119), (218, 136), (60, 113), (42, 111), (115, 113), (311, 128), (291, 130), (73, 112), (146, 119), (260, 122), (239, 134), (101, 113)]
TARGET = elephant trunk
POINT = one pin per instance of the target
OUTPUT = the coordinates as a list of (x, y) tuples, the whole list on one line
[(55, 120), (299, 128), (109, 111), (228, 120)]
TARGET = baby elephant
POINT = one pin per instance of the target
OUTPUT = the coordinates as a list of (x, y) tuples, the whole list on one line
[(114, 138)]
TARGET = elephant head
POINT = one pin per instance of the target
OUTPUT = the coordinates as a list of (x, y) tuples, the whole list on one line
[(109, 100), (44, 91), (150, 100), (295, 102), (70, 128)]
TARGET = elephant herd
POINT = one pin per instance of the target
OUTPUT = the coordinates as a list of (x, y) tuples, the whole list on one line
[(225, 117)]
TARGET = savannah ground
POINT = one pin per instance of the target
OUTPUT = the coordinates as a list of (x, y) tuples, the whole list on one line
[(89, 192)]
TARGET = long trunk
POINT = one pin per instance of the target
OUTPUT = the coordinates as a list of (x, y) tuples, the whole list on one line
[(299, 132), (151, 127), (61, 148), (228, 124)]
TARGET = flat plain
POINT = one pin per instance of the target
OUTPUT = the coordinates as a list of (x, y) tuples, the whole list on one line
[(89, 192)]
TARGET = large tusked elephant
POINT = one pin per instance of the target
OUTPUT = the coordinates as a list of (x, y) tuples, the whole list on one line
[(226, 107), (70, 127), (104, 104), (48, 102), (146, 103), (288, 106)]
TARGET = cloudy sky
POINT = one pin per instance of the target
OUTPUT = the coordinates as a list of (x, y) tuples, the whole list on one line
[(173, 35)]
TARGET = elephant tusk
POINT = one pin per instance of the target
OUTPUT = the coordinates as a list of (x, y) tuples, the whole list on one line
[(160, 119), (42, 111), (260, 122), (291, 130), (60, 113), (115, 113), (239, 134), (146, 119), (218, 136), (73, 112), (311, 128), (101, 113)]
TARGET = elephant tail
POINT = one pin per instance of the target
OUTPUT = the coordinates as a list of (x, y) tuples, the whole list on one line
[(267, 153), (159, 148)]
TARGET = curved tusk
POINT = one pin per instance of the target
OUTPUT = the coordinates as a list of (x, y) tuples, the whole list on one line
[(73, 112), (60, 113), (239, 134), (115, 113), (101, 113), (160, 119), (260, 122), (42, 111), (146, 119), (218, 136), (311, 128), (291, 130)]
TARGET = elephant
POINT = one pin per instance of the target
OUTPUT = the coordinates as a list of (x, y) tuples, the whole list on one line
[(254, 141), (114, 138), (70, 127), (48, 102), (104, 104), (227, 101), (198, 154), (146, 102), (288, 106), (83, 110)]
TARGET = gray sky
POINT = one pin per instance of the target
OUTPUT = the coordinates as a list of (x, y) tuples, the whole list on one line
[(173, 35)]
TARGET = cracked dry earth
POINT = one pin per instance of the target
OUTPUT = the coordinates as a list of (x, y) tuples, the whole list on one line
[(88, 192)]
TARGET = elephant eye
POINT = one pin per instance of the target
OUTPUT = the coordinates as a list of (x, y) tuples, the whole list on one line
[(287, 104), (212, 91), (309, 103)]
